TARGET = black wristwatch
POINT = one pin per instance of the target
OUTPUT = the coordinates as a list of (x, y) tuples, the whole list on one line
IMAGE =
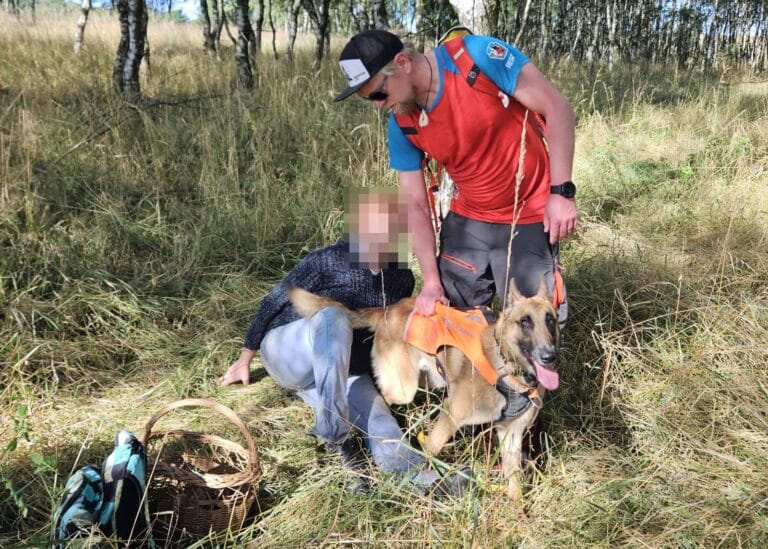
[(566, 190)]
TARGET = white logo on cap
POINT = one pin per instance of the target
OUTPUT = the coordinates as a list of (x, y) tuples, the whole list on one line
[(355, 71)]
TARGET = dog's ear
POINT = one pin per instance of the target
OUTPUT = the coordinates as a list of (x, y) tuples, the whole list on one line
[(513, 294), (543, 291)]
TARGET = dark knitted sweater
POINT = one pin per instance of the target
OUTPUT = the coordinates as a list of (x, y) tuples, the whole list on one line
[(327, 272)]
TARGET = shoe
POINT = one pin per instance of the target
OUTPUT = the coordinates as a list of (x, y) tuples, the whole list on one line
[(354, 460), (452, 486)]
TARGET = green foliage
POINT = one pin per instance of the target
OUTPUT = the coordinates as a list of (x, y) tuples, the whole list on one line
[(137, 240)]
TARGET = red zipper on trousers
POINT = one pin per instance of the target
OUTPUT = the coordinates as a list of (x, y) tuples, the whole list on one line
[(459, 262)]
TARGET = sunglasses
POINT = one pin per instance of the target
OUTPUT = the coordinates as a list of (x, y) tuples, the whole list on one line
[(379, 94)]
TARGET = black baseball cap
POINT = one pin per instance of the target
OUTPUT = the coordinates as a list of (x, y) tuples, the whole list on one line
[(365, 54)]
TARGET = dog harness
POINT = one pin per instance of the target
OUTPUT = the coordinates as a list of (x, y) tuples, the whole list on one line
[(463, 329), (456, 328)]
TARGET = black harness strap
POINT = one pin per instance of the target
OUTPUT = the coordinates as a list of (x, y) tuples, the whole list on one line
[(517, 402)]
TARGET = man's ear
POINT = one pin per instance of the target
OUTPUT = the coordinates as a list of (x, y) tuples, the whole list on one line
[(403, 62)]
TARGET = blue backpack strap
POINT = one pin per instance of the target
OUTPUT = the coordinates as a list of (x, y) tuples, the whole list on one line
[(80, 505), (125, 512)]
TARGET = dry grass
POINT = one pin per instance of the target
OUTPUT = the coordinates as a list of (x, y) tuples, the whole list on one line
[(136, 242)]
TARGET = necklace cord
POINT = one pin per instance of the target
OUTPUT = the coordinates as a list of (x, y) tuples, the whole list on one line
[(429, 89)]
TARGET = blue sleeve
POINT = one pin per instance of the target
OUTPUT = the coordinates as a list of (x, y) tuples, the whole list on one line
[(497, 60), (403, 155)]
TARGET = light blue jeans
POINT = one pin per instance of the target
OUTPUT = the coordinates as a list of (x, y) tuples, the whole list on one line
[(310, 357)]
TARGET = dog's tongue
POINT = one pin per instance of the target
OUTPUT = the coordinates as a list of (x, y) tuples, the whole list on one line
[(548, 378)]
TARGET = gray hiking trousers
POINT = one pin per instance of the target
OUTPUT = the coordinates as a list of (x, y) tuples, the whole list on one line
[(310, 357), (473, 261)]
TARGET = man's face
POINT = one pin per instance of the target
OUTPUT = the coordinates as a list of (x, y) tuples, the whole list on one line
[(392, 91)]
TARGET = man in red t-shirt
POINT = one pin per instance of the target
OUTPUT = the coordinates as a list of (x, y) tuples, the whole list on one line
[(471, 104)]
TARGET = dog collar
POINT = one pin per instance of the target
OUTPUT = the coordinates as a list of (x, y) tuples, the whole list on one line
[(517, 402)]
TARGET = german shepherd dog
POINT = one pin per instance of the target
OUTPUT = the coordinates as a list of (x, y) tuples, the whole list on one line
[(521, 345)]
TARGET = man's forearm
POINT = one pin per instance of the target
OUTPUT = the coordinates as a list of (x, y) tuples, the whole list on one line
[(560, 214), (420, 225), (423, 244), (560, 139)]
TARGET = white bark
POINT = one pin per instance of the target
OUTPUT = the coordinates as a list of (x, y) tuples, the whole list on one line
[(85, 9), (471, 14), (524, 20)]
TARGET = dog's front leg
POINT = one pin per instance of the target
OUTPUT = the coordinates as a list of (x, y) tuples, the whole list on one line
[(445, 428), (511, 442)]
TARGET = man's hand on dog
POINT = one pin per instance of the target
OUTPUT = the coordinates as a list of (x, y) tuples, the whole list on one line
[(428, 296), (240, 370)]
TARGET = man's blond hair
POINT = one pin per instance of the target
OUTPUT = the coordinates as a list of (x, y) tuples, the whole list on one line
[(391, 68)]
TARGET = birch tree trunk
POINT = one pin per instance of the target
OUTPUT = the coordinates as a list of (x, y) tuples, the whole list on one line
[(12, 7), (209, 45), (471, 14), (319, 22), (259, 26), (85, 10), (380, 14), (274, 32), (418, 23), (523, 21), (711, 54), (243, 45), (130, 50), (544, 30), (354, 16), (218, 10), (611, 16), (293, 27)]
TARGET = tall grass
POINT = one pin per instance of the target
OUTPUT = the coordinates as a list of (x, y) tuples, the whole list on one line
[(137, 240)]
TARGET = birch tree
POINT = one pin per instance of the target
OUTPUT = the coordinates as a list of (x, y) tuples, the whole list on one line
[(381, 21), (85, 10), (472, 13), (209, 44), (319, 20), (259, 26), (293, 27), (130, 50), (244, 45)]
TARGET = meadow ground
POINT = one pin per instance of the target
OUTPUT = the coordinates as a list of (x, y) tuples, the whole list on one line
[(136, 242)]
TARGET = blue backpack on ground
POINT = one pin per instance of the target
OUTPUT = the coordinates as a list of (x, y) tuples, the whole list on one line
[(125, 512), (80, 507), (112, 500)]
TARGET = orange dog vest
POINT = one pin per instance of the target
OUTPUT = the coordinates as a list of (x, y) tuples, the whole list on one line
[(460, 329)]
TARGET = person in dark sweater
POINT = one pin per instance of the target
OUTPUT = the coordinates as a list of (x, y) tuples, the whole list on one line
[(327, 363)]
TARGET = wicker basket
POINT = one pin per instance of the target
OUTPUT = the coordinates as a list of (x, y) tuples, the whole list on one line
[(198, 482)]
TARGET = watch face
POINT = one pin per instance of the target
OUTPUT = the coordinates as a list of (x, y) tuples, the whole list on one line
[(567, 189)]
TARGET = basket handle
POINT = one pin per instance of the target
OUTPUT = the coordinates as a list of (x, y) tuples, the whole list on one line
[(253, 457)]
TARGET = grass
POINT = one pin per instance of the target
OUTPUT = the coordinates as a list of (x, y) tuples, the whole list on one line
[(137, 241)]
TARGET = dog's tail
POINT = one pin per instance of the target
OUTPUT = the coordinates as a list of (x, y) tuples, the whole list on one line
[(307, 304)]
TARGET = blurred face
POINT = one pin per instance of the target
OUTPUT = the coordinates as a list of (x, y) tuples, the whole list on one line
[(376, 226), (373, 231)]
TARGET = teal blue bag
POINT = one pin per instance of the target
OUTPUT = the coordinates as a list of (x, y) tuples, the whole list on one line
[(79, 509), (110, 502), (125, 513)]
